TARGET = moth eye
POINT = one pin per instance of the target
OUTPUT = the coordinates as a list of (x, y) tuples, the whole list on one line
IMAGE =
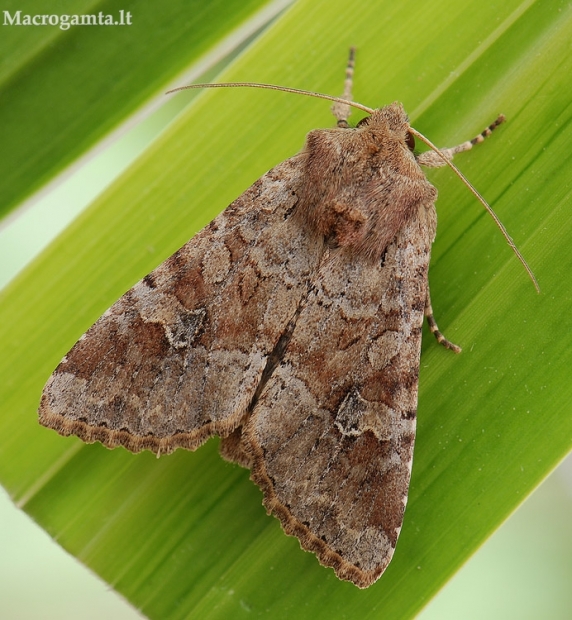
[(410, 141), (364, 121)]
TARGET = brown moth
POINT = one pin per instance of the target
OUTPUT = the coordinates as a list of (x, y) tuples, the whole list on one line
[(291, 327)]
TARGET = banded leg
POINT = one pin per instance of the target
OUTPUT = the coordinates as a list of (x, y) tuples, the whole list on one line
[(434, 329), (433, 160), (340, 110)]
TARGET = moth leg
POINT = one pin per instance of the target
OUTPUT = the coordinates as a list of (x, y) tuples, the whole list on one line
[(433, 160), (342, 111), (434, 329)]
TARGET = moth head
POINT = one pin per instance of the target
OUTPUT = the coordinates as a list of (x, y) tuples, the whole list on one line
[(390, 123)]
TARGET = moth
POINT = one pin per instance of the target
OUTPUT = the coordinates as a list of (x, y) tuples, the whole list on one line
[(290, 327)]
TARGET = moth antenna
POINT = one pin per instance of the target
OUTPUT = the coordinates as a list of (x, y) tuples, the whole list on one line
[(359, 106), (483, 202), (285, 89)]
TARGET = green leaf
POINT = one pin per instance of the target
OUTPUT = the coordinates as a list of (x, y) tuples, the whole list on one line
[(64, 89), (186, 536)]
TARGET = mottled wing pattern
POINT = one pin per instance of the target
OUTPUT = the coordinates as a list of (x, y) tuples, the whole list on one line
[(335, 467), (180, 355)]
